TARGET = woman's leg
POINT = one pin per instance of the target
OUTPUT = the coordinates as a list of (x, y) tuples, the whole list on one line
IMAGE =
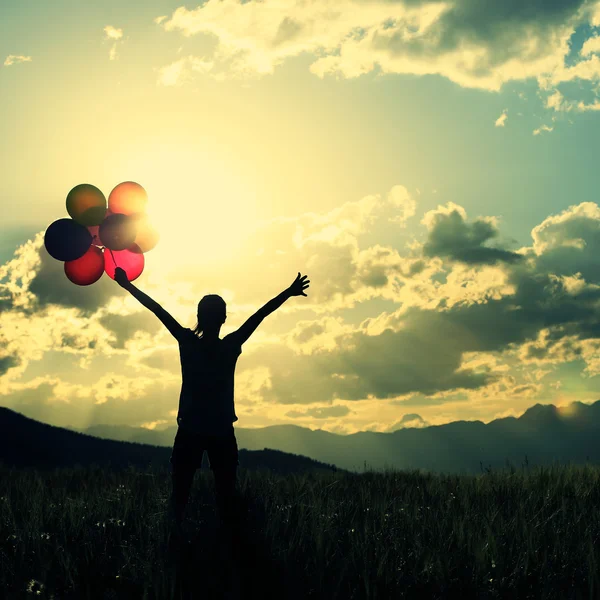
[(184, 460), (182, 477), (225, 480), (223, 457)]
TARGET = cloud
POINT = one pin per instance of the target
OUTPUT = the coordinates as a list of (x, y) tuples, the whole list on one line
[(113, 33), (331, 249), (543, 128), (409, 420), (8, 362), (151, 425), (116, 35), (321, 412), (48, 284), (55, 401), (591, 46), (475, 43), (181, 70), (557, 102), (501, 120), (582, 107), (450, 236), (552, 285), (386, 365), (123, 327), (437, 323), (15, 59)]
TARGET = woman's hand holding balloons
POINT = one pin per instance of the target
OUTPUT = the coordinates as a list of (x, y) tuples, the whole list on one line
[(121, 277), (299, 285)]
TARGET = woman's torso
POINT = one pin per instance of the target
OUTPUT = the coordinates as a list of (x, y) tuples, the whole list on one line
[(206, 402)]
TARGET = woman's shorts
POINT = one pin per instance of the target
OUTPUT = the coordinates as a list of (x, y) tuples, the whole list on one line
[(189, 447)]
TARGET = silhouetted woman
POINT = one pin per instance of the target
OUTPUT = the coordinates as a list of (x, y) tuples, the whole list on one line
[(206, 407)]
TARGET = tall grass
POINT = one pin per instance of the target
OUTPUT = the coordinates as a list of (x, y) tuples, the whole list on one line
[(93, 533)]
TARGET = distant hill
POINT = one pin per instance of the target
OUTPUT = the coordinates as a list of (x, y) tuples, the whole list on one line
[(25, 442), (543, 434)]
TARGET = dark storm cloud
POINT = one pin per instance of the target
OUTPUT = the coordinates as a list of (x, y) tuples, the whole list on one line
[(125, 326), (450, 236), (8, 362), (423, 357), (421, 351), (504, 25), (51, 286), (504, 28)]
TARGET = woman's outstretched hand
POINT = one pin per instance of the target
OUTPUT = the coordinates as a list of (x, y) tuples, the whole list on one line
[(300, 284), (121, 277)]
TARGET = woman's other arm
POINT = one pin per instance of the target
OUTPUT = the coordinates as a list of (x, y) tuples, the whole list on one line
[(296, 289), (169, 322)]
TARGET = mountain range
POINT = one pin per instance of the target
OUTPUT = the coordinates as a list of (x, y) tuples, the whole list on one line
[(25, 442), (542, 435)]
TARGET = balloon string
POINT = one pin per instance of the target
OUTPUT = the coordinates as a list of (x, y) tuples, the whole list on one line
[(113, 256)]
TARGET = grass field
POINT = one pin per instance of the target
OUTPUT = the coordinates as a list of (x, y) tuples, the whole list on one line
[(93, 533)]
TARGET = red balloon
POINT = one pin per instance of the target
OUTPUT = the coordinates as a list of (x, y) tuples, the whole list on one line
[(87, 269), (128, 198), (130, 260)]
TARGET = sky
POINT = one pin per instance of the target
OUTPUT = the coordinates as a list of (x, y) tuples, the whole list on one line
[(431, 166)]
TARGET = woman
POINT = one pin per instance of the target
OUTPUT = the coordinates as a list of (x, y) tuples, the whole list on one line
[(206, 406)]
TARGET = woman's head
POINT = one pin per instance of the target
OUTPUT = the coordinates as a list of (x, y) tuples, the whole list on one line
[(212, 312)]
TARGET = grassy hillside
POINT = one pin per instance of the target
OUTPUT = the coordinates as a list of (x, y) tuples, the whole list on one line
[(95, 533)]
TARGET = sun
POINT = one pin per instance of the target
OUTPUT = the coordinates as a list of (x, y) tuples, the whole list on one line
[(200, 204)]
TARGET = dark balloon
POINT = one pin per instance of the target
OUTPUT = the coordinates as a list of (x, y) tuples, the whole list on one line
[(130, 260), (147, 235), (66, 240), (117, 231), (87, 269), (86, 204), (128, 198)]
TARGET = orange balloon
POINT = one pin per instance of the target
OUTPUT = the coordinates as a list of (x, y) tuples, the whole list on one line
[(128, 198)]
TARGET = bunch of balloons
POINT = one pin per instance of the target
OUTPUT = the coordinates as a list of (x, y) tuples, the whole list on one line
[(100, 237)]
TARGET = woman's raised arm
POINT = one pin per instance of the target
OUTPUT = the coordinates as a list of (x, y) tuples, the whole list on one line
[(247, 329), (169, 322)]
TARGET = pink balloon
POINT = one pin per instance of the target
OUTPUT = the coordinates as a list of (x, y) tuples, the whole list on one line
[(130, 260), (87, 269)]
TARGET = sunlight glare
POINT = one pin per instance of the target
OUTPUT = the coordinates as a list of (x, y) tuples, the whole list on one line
[(198, 201)]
